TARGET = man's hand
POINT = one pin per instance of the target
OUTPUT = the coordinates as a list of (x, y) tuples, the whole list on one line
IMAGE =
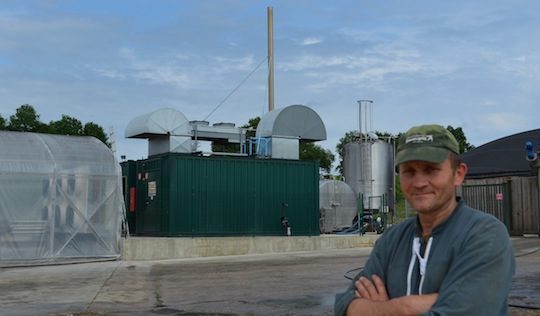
[(374, 290), (373, 300)]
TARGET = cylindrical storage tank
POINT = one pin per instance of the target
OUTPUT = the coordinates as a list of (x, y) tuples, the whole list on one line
[(369, 170), (337, 202)]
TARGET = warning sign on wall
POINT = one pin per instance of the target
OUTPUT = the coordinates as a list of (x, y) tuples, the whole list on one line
[(152, 189)]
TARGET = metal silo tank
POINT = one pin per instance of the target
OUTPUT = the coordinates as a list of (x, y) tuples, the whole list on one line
[(368, 169), (351, 166), (337, 202), (382, 155)]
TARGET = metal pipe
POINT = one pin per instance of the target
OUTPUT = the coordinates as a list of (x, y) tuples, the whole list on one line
[(363, 104)]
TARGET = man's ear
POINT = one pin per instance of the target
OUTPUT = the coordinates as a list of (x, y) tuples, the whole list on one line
[(461, 172)]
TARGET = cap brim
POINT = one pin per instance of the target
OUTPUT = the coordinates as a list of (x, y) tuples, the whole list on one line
[(429, 154)]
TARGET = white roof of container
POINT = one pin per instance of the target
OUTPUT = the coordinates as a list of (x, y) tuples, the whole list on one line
[(165, 121), (296, 121)]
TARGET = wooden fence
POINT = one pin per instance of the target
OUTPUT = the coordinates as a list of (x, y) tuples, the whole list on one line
[(520, 198)]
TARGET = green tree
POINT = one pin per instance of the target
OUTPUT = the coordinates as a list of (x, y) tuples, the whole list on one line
[(460, 137), (252, 126), (66, 126), (226, 147), (26, 119), (92, 129), (311, 151)]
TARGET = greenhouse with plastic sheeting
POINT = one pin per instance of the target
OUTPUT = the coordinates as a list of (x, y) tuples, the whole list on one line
[(60, 199)]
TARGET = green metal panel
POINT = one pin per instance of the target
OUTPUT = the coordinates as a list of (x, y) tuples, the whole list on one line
[(228, 196)]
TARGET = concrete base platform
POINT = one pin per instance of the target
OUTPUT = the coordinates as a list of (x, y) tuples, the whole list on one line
[(159, 248)]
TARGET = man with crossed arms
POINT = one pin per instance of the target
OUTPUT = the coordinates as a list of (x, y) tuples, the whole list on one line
[(448, 260)]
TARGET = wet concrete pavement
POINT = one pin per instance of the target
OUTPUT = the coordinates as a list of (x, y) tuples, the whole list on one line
[(525, 291), (301, 283)]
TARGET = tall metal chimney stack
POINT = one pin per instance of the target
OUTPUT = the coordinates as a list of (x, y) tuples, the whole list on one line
[(270, 59), (366, 106)]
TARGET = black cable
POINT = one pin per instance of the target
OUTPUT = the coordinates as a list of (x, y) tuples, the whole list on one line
[(524, 306), (234, 90), (348, 277), (527, 253)]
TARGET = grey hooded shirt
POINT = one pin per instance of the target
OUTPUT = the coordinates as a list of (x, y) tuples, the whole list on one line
[(469, 263)]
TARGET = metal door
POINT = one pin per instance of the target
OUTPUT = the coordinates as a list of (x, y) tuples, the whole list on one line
[(149, 217)]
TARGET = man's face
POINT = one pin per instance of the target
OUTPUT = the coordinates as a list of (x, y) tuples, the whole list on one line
[(430, 187)]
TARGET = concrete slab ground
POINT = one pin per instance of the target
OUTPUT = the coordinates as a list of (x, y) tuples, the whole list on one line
[(291, 283)]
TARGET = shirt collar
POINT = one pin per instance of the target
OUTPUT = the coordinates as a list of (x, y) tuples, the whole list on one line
[(441, 226)]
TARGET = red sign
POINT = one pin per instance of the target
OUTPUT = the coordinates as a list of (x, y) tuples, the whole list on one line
[(132, 199), (498, 196)]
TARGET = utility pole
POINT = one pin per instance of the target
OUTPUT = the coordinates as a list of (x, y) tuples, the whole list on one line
[(270, 59)]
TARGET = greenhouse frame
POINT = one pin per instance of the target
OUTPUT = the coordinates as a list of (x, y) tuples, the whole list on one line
[(60, 199)]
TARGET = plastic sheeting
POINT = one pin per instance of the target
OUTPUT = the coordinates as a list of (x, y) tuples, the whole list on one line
[(60, 199)]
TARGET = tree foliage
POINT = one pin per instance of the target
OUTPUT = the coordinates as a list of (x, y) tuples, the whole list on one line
[(311, 151), (226, 147), (26, 119), (92, 129), (252, 126), (460, 137), (66, 126)]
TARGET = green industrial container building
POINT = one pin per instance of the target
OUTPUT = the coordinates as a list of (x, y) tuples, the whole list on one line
[(186, 195)]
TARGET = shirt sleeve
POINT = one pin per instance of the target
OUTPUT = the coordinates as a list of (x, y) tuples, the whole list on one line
[(373, 266), (480, 276)]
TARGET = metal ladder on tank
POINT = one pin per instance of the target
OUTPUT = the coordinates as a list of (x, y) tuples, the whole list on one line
[(366, 171)]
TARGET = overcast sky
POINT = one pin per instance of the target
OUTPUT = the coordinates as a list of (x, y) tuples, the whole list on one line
[(469, 64)]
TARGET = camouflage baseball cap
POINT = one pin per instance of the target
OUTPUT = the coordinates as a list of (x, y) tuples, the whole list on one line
[(427, 143)]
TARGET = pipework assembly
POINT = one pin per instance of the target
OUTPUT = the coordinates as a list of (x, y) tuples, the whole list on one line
[(531, 155)]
